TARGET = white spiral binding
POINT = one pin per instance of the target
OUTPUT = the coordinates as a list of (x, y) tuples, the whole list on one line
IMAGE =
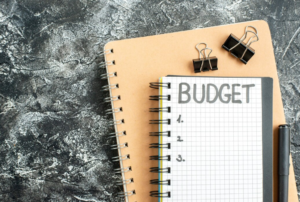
[(121, 158), (109, 75), (123, 170), (125, 182), (110, 87), (126, 194), (113, 110)]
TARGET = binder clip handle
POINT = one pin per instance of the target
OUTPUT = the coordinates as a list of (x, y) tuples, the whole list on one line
[(246, 29), (239, 48), (204, 62), (244, 37), (204, 54), (255, 32), (205, 57), (201, 49)]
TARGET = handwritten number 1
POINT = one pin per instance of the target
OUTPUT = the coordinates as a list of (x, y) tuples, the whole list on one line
[(179, 119)]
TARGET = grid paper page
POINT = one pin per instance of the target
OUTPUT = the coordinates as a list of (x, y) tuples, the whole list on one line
[(216, 148)]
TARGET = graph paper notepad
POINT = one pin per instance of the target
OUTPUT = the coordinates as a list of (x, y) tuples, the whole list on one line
[(215, 139)]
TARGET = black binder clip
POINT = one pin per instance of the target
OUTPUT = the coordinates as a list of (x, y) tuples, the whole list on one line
[(205, 63), (238, 48)]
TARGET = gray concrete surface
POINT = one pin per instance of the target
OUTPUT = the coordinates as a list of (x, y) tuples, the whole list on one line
[(52, 127)]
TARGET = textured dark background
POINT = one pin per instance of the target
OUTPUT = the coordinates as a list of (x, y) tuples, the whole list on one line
[(52, 122)]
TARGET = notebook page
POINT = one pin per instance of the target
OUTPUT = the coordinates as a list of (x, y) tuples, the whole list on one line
[(216, 143)]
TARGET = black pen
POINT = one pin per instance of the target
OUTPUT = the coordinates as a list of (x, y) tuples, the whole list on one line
[(284, 156)]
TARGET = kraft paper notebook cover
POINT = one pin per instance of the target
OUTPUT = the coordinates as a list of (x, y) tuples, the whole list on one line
[(143, 60)]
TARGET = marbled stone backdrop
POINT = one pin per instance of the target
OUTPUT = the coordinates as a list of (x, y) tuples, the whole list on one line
[(52, 120)]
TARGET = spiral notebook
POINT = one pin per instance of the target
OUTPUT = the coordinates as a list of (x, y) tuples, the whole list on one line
[(132, 64), (215, 139)]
